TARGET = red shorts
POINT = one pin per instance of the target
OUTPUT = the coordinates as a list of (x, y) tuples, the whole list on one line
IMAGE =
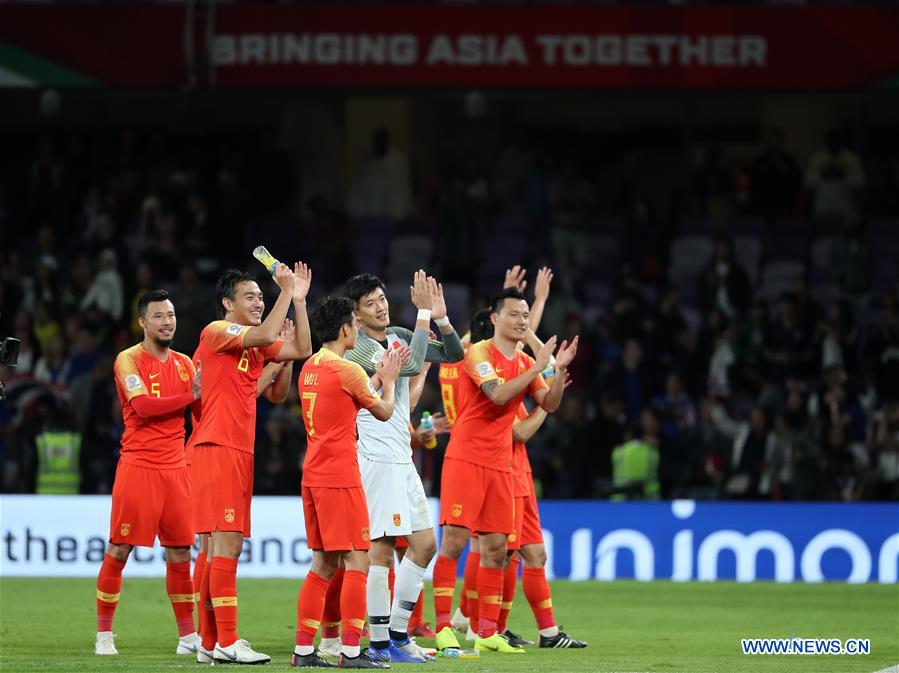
[(222, 487), (401, 543), (336, 518), (476, 497), (149, 503)]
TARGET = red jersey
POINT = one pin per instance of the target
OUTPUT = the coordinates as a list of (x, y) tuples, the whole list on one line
[(483, 430), (230, 373), (152, 442), (449, 389), (332, 391), (521, 465)]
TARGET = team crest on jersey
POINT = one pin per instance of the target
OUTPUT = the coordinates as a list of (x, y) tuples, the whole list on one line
[(512, 537), (397, 520), (182, 372), (457, 510), (365, 534), (125, 530), (229, 515)]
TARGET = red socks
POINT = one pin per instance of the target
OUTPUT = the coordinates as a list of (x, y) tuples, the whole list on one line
[(199, 569), (310, 604), (490, 595), (109, 587), (444, 588), (352, 607), (180, 588), (536, 590), (208, 630), (331, 615), (510, 580), (470, 588), (223, 589)]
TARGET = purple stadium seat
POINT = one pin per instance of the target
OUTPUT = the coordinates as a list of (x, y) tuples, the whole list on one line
[(699, 226), (747, 226), (786, 246)]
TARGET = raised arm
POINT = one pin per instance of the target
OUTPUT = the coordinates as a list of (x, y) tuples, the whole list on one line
[(550, 399), (265, 334), (388, 370), (417, 385), (300, 346), (541, 294), (451, 349), (500, 393)]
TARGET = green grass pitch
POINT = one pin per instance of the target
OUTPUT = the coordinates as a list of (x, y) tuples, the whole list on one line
[(662, 627)]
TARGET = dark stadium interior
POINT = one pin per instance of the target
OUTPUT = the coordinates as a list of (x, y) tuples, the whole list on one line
[(729, 261)]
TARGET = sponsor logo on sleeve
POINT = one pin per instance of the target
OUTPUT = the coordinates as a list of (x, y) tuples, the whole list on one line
[(133, 382), (485, 369)]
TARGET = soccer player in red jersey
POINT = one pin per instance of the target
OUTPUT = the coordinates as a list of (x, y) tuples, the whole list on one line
[(274, 383), (477, 486), (151, 494), (233, 351), (332, 391)]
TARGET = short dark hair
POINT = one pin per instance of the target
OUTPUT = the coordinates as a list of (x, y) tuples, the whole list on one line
[(359, 286), (148, 298), (481, 327), (227, 286), (496, 302), (329, 314)]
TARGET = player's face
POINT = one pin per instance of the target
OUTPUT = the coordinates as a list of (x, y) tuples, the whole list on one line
[(373, 310), (159, 322), (247, 306), (512, 320)]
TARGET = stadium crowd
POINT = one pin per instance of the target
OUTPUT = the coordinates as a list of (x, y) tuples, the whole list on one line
[(746, 334)]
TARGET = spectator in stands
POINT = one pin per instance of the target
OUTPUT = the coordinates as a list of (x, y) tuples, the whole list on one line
[(789, 349), (106, 292), (28, 348), (794, 442), (776, 179), (277, 465), (885, 442), (144, 282), (752, 441), (836, 178), (382, 186), (610, 427), (572, 199), (192, 308), (53, 365), (635, 464), (749, 347), (99, 432), (724, 283), (809, 313), (851, 264)]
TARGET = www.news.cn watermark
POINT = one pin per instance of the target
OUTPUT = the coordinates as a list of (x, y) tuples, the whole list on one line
[(788, 646)]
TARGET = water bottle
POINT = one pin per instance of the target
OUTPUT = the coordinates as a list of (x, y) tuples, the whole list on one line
[(265, 257), (427, 423)]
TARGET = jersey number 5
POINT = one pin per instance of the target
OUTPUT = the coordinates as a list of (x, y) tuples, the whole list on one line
[(310, 408)]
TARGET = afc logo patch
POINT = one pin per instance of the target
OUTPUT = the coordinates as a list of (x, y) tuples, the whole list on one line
[(125, 530), (365, 534), (457, 510), (397, 521), (229, 515)]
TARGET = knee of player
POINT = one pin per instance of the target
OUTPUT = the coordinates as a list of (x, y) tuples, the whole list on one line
[(177, 554), (452, 546), (534, 555), (119, 552), (324, 565)]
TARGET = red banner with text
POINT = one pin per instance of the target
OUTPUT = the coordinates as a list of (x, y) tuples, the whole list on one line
[(614, 47)]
